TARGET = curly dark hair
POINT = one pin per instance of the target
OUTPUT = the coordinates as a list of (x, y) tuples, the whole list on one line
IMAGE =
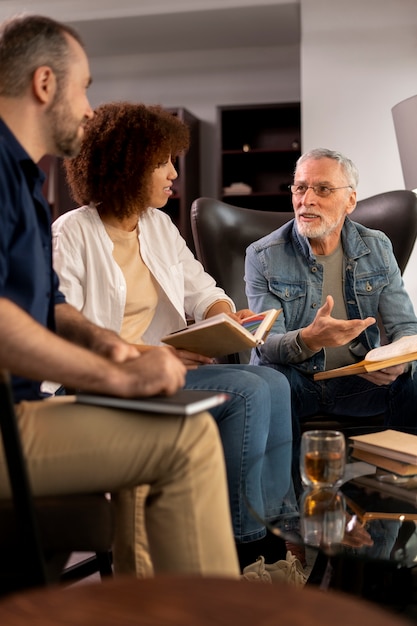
[(122, 146)]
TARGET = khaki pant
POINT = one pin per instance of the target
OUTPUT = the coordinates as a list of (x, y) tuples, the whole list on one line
[(143, 567), (74, 448)]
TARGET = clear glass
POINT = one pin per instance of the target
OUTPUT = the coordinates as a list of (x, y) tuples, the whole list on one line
[(322, 457), (322, 518)]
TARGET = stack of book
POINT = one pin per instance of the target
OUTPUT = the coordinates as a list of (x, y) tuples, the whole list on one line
[(394, 454)]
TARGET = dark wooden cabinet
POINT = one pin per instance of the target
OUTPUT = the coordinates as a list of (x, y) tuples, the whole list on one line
[(258, 145), (186, 187)]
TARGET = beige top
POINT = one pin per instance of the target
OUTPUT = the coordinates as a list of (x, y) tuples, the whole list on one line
[(141, 287)]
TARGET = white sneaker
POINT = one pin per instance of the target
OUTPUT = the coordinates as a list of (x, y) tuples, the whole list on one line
[(289, 571), (257, 571)]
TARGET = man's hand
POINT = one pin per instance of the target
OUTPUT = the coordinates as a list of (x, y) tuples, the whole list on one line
[(387, 375), (111, 346), (327, 332), (156, 371)]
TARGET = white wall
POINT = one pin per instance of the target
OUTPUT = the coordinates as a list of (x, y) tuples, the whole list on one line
[(358, 59)]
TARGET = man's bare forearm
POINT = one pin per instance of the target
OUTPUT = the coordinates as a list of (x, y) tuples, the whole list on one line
[(74, 326), (28, 349)]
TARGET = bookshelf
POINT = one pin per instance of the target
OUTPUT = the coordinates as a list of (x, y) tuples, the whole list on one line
[(258, 145)]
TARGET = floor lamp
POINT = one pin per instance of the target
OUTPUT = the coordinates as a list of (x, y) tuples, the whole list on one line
[(405, 122)]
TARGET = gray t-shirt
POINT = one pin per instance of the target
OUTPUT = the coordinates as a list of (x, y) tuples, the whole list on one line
[(333, 285)]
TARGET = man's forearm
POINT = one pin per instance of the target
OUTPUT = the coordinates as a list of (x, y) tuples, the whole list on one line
[(28, 349), (74, 326)]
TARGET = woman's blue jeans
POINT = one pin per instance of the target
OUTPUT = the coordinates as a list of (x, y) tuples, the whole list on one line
[(255, 429)]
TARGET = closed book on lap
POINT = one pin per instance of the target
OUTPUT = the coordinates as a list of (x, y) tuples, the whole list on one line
[(184, 402)]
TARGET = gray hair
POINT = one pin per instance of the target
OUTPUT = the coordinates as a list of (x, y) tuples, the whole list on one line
[(28, 42), (349, 168)]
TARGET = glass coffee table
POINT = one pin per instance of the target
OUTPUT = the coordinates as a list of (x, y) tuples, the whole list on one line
[(384, 572)]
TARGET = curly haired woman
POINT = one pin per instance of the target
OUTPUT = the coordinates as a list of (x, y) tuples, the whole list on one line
[(123, 263)]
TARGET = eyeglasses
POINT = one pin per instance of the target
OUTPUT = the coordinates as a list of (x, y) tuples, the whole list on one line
[(320, 190)]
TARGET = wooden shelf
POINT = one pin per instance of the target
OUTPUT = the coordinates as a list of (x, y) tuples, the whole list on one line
[(258, 146)]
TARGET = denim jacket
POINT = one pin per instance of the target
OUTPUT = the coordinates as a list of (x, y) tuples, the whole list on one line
[(282, 272)]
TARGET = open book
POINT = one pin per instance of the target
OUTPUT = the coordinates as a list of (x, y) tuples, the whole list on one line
[(402, 351), (220, 335)]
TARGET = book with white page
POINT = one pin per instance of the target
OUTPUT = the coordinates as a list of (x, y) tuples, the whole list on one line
[(403, 350), (183, 402)]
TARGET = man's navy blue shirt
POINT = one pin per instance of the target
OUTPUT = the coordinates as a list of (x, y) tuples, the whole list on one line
[(26, 274)]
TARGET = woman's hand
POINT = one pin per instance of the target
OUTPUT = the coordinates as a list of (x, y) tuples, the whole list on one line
[(192, 360), (242, 314)]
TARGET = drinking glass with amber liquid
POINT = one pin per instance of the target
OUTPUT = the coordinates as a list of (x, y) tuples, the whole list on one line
[(322, 517), (322, 458)]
